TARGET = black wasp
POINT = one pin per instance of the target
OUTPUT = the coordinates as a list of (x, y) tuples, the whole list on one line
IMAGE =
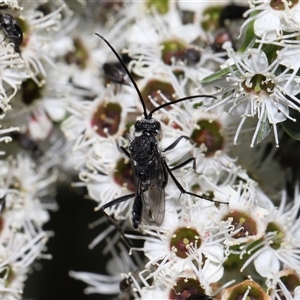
[(11, 30), (149, 167)]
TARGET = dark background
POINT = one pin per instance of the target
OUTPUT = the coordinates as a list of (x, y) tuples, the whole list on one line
[(69, 248)]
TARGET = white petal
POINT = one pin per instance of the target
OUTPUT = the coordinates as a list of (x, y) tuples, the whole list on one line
[(212, 272), (154, 250), (266, 263), (40, 127), (215, 253), (275, 114), (256, 60), (56, 109), (294, 87), (268, 24)]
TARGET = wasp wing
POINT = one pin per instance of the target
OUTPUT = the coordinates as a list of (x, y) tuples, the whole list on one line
[(154, 197)]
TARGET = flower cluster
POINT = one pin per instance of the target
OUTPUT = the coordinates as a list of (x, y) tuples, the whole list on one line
[(155, 114)]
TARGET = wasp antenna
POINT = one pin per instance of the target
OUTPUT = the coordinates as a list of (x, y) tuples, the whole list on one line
[(177, 101), (127, 72)]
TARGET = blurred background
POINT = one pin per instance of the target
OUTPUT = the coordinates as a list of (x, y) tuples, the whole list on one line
[(69, 248)]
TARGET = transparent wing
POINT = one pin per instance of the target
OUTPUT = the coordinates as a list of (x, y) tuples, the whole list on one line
[(156, 200), (154, 197)]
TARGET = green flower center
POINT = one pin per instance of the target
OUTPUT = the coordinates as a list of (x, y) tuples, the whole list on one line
[(241, 221), (172, 49), (7, 274), (210, 20), (161, 6), (253, 290), (182, 239), (278, 237), (257, 84)]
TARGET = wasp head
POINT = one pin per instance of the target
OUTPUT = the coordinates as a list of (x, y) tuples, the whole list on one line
[(148, 125)]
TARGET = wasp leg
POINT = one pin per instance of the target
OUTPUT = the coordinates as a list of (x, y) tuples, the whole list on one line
[(112, 220), (193, 159), (182, 190), (125, 151), (174, 144)]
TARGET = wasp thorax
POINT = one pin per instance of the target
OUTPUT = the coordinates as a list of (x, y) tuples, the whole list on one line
[(147, 125)]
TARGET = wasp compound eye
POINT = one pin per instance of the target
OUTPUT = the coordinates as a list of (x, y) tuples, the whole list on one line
[(138, 126)]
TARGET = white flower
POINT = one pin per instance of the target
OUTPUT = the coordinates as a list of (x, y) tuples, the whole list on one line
[(108, 176), (172, 284), (12, 74), (165, 47), (284, 284), (272, 18), (39, 107), (209, 142), (120, 264), (15, 259), (246, 220), (255, 89), (23, 188), (40, 31), (184, 238), (279, 246), (93, 121)]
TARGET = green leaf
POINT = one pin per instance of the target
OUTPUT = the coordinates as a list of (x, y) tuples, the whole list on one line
[(217, 75), (265, 128), (293, 128)]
